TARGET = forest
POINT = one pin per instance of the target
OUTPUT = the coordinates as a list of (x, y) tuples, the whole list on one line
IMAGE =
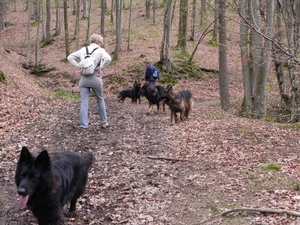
[(234, 161)]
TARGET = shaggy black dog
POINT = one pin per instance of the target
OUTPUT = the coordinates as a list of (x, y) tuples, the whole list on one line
[(45, 185)]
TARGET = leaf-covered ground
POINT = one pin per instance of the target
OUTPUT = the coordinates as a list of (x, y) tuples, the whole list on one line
[(149, 172), (146, 171)]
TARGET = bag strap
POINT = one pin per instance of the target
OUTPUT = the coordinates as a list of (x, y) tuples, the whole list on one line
[(94, 50), (87, 50)]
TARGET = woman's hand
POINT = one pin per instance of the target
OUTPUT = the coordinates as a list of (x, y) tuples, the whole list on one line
[(99, 73)]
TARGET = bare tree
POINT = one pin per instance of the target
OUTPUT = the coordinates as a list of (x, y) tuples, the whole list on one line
[(37, 46), (2, 11), (103, 11), (154, 11), (182, 28), (112, 11), (118, 29), (88, 23), (148, 8), (193, 19), (203, 11), (66, 25), (129, 25), (223, 80), (85, 12), (76, 31), (165, 44), (57, 17), (48, 19)]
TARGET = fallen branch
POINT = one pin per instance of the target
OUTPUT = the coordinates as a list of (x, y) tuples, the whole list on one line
[(263, 210), (167, 158)]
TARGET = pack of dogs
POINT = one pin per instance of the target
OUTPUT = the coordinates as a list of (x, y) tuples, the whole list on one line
[(46, 184), (179, 101)]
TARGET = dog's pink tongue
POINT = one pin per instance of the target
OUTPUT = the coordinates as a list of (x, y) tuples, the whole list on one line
[(23, 200)]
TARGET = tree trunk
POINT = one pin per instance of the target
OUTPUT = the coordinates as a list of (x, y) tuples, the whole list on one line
[(2, 11), (154, 11), (85, 12), (112, 12), (148, 8), (118, 29), (57, 18), (214, 38), (48, 19), (28, 34), (203, 11), (66, 27), (129, 25), (76, 31), (223, 81), (193, 19), (247, 104), (37, 47), (258, 107), (88, 22), (103, 12), (182, 32), (165, 46)]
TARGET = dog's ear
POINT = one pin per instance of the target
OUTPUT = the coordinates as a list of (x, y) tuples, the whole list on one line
[(43, 160), (25, 155)]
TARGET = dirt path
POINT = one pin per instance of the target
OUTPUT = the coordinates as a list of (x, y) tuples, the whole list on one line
[(146, 171)]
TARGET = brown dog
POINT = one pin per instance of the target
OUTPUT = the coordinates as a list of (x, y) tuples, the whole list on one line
[(178, 101)]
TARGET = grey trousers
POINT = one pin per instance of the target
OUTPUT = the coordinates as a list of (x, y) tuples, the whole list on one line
[(87, 83)]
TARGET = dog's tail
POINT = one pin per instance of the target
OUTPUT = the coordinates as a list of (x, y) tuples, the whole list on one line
[(88, 159)]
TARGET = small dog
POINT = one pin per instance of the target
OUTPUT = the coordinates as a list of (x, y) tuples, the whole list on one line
[(45, 185), (128, 93), (178, 101), (133, 93), (153, 95)]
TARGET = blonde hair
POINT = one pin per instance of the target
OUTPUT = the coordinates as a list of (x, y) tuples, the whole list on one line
[(97, 39)]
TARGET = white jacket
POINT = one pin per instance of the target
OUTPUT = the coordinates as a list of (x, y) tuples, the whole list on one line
[(99, 55)]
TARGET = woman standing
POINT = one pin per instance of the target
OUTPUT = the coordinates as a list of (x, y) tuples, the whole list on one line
[(94, 81)]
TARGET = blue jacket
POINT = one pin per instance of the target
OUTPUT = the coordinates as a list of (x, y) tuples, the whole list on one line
[(149, 72)]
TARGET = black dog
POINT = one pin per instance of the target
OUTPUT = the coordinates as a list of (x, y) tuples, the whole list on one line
[(133, 93), (178, 101), (136, 92), (153, 95), (45, 185), (125, 94)]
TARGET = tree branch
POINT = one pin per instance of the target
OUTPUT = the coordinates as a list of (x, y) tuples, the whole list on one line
[(263, 210), (167, 158)]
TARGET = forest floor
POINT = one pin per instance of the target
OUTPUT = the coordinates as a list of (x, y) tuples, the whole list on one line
[(145, 170)]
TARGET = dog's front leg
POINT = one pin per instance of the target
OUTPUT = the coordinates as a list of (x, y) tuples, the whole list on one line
[(150, 108), (173, 117)]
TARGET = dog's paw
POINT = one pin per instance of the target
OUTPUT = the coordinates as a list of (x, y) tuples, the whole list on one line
[(70, 214)]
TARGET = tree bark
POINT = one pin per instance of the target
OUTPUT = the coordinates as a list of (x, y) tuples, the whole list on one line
[(182, 28), (65, 4), (223, 80), (118, 29), (165, 45), (129, 25), (48, 20), (247, 104)]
